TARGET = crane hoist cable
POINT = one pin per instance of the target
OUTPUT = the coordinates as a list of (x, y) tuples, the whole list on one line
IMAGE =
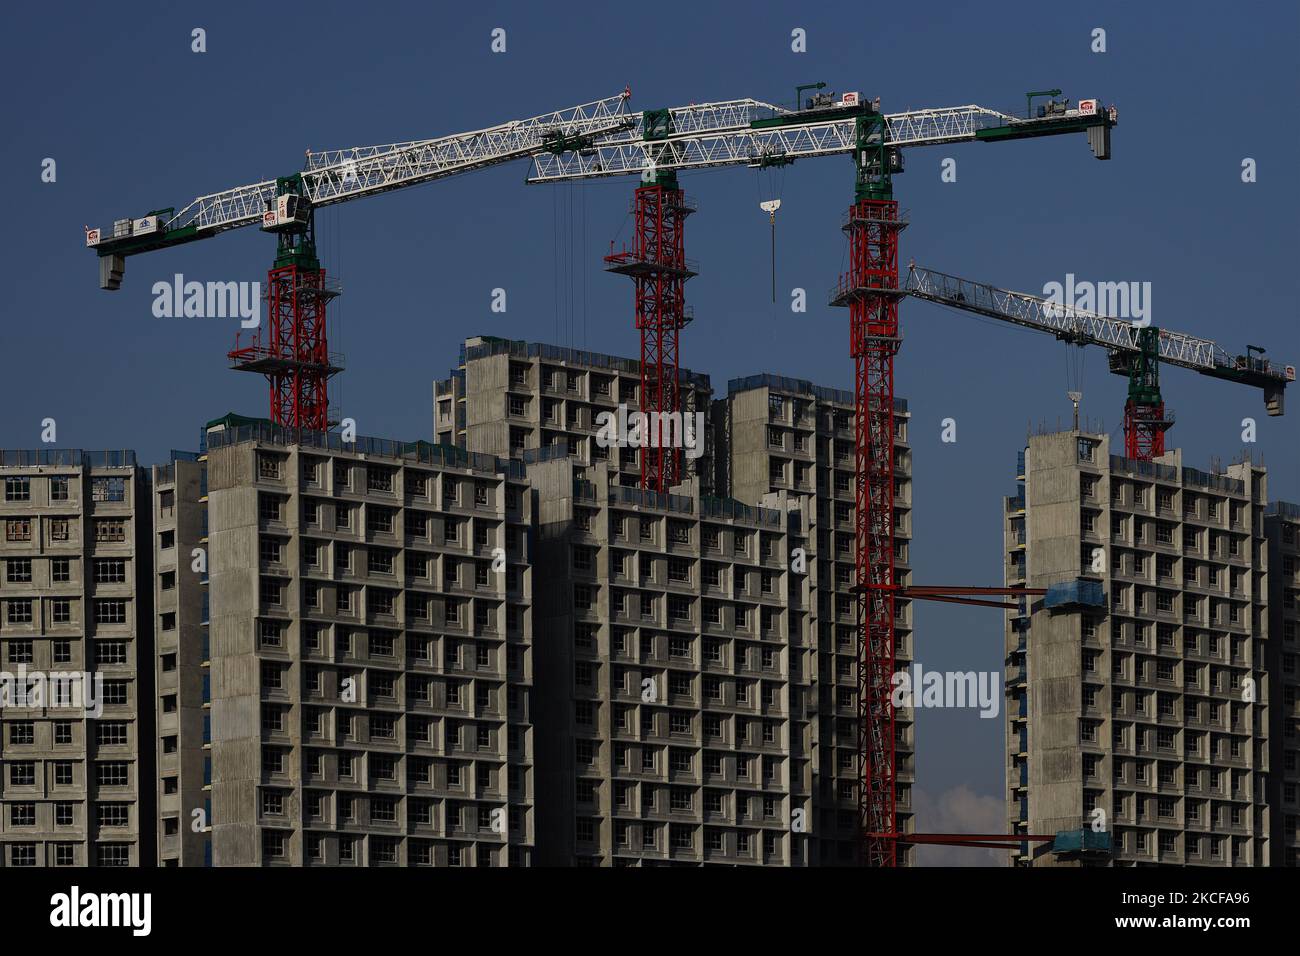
[(571, 265), (555, 258), (585, 267), (775, 177)]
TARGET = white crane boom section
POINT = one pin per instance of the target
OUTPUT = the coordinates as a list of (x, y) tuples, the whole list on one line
[(340, 175), (730, 145), (1082, 327)]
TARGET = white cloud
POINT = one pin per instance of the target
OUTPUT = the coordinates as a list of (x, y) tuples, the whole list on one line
[(959, 810)]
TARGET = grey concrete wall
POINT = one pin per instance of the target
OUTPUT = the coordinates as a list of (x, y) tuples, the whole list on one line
[(179, 663), (35, 532)]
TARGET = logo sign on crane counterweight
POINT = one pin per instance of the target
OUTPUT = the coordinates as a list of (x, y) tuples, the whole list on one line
[(1087, 107)]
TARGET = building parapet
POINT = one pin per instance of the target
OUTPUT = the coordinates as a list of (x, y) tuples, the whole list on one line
[(521, 349), (553, 452), (1144, 469), (448, 456), (1284, 509), (65, 458), (731, 508), (802, 386), (166, 474), (645, 498), (1189, 476), (1216, 482)]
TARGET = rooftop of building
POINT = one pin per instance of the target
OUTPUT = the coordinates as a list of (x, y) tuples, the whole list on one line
[(66, 458), (710, 507), (1217, 479), (799, 386), (482, 346), (237, 430)]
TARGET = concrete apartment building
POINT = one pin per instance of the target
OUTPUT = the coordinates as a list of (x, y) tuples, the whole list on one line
[(1139, 688), (777, 434), (676, 726), (514, 399), (769, 435), (1282, 525), (76, 786), (183, 702), (371, 653)]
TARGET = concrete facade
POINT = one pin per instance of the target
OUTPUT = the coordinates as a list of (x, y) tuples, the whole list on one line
[(516, 399), (1147, 710), (1282, 525), (371, 654), (782, 435), (676, 727), (76, 787), (181, 666)]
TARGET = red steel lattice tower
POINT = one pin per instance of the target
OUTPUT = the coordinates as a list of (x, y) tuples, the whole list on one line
[(1145, 421), (871, 292), (658, 266), (292, 350), (1144, 431), (296, 300)]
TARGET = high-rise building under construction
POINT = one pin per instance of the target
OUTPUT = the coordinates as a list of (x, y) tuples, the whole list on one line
[(76, 672), (371, 652), (779, 434), (1282, 526), (1138, 687), (771, 438), (529, 400), (679, 685)]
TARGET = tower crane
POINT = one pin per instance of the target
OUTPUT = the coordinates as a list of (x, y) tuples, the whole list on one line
[(760, 135), (294, 354), (754, 133), (1136, 351), (602, 139)]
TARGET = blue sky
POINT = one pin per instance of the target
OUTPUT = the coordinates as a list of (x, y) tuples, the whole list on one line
[(135, 121)]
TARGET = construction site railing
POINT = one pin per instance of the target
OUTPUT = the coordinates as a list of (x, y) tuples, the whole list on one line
[(521, 349), (1216, 482), (66, 458), (645, 498), (449, 456), (1147, 469), (802, 386), (731, 508)]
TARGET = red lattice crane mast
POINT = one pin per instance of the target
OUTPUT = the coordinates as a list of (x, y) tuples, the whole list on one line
[(294, 352), (659, 270), (871, 291)]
